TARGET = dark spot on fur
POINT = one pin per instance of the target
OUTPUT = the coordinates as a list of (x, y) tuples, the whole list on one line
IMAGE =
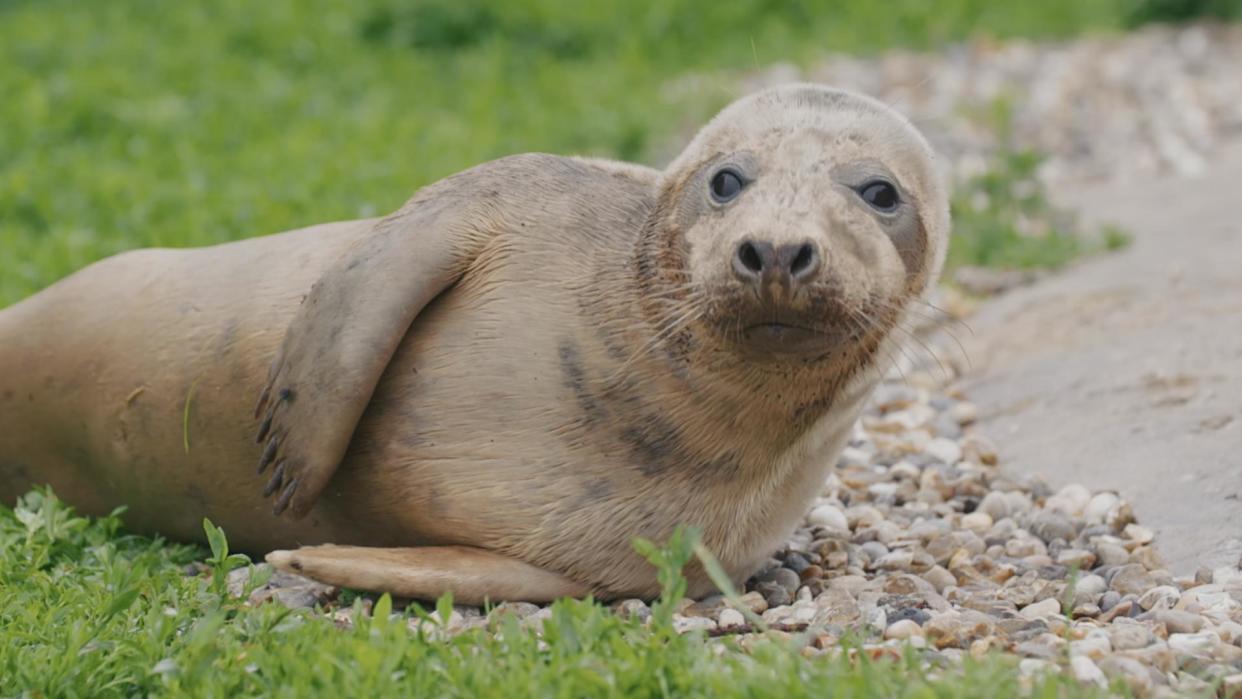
[(8, 394), (574, 375), (654, 444), (597, 489)]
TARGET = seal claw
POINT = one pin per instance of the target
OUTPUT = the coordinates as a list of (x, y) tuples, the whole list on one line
[(277, 477), (285, 497), (269, 454)]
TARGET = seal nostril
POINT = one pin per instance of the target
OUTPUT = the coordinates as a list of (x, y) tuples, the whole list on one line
[(803, 261), (749, 258)]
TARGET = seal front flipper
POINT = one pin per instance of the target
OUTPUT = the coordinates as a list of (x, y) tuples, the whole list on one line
[(474, 576), (352, 320)]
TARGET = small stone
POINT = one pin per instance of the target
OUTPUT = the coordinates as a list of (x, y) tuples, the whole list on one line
[(1085, 610), (730, 618), (1086, 671), (1109, 600), (863, 516), (1127, 635), (1094, 645), (1147, 557), (1041, 610), (939, 578), (964, 412), (1076, 558), (1196, 644), (783, 577), (1130, 671), (897, 560), (1110, 554), (1019, 502), (902, 630), (1160, 597), (1099, 506), (774, 595), (521, 610), (980, 450), (829, 517), (632, 609), (1024, 547), (1034, 667), (1138, 534), (1050, 526), (754, 602), (796, 562), (1177, 621), (1089, 587), (944, 450), (977, 522), (1131, 579), (1070, 500), (685, 624), (995, 505)]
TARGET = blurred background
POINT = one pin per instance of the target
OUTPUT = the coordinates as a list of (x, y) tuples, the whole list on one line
[(143, 122)]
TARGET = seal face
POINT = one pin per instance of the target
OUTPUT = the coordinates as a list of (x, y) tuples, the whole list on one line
[(798, 224)]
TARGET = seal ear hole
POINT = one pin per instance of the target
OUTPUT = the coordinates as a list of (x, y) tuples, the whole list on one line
[(726, 184), (881, 195)]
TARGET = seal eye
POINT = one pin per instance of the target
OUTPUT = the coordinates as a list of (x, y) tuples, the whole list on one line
[(881, 195), (726, 185)]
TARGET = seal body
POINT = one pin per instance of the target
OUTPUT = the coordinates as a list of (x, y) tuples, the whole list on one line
[(579, 375)]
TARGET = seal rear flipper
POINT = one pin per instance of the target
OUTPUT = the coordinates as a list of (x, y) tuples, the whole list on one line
[(474, 576), (354, 317)]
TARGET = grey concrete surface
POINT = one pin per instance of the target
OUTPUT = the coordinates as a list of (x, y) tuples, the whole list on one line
[(1124, 372)]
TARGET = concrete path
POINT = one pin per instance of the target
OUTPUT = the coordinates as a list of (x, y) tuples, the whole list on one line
[(1125, 372)]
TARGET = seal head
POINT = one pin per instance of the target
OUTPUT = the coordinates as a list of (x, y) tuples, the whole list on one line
[(800, 221)]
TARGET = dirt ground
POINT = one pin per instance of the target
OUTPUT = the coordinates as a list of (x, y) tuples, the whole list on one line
[(1125, 371)]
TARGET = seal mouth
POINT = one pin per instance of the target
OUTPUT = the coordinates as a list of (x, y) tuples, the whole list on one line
[(783, 338)]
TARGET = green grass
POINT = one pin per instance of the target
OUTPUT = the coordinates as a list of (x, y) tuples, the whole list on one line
[(89, 611), (144, 122)]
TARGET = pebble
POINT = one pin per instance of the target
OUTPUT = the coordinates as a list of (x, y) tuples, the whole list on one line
[(829, 517), (1110, 554), (1041, 610), (1138, 534), (1079, 559), (945, 450), (729, 618), (1125, 635), (1086, 671), (1159, 597), (1199, 644), (1131, 579), (685, 624), (903, 629), (1099, 506), (1130, 671), (995, 505), (1050, 526), (977, 522), (1177, 621)]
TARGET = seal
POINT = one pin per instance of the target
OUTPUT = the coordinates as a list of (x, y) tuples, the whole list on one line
[(493, 390)]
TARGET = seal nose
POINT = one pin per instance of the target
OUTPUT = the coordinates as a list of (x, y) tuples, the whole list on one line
[(791, 265)]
